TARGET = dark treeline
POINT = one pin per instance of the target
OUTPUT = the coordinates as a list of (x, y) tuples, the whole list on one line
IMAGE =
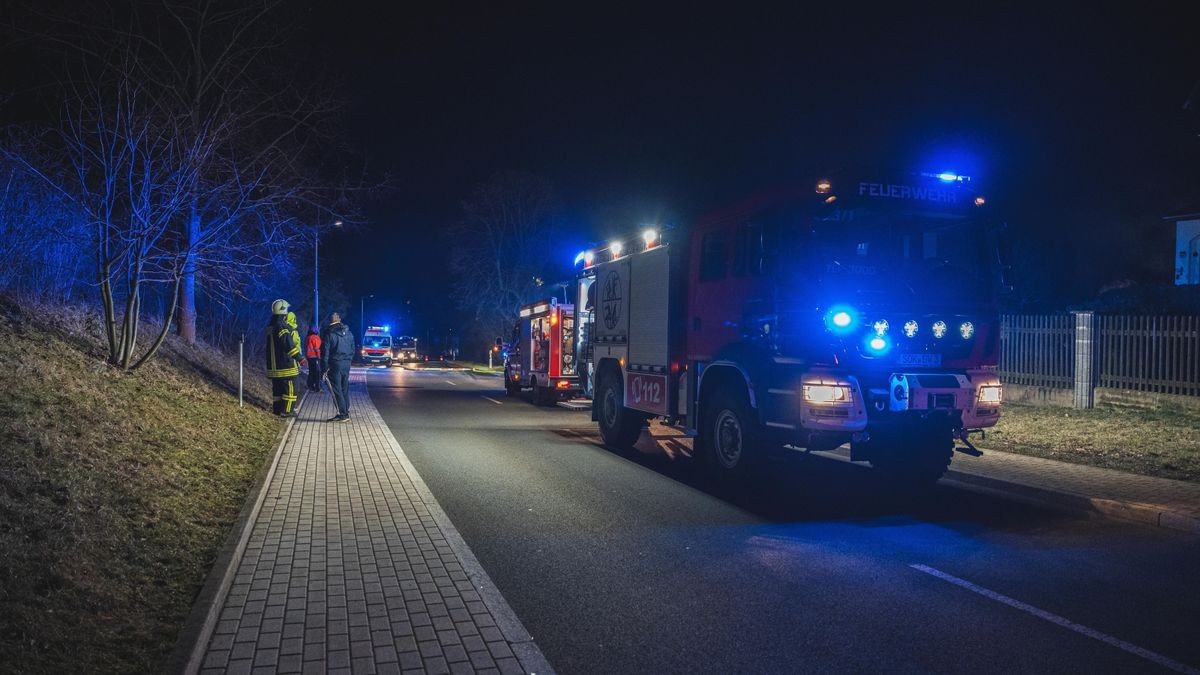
[(168, 160)]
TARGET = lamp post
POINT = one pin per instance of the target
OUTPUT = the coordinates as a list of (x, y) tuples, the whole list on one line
[(316, 273), (362, 303)]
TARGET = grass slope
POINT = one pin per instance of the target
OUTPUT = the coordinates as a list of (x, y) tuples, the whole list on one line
[(116, 490), (1159, 443)]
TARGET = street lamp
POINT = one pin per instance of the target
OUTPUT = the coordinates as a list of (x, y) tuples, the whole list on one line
[(363, 321), (316, 272)]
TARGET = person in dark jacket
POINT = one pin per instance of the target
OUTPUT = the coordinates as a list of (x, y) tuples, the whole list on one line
[(337, 351), (312, 351), (283, 356)]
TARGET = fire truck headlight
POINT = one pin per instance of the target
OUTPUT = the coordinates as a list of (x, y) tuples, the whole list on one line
[(939, 329), (991, 394), (881, 326), (966, 330), (826, 393), (910, 328), (824, 186)]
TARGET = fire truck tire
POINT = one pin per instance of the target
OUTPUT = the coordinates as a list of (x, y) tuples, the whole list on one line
[(511, 388), (620, 427), (729, 439), (914, 459)]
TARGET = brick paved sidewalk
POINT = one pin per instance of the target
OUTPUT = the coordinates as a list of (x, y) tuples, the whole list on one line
[(351, 566)]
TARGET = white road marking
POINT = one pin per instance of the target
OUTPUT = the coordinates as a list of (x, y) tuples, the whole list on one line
[(1060, 621), (489, 398), (451, 383)]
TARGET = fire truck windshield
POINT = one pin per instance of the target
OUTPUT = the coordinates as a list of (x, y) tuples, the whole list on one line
[(885, 258)]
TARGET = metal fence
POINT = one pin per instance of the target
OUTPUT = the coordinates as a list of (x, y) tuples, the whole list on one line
[(1158, 354), (1037, 350)]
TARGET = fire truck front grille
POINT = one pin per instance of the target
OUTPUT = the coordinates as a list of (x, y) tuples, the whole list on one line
[(941, 401), (828, 412)]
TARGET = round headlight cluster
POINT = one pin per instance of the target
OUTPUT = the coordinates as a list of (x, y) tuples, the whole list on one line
[(939, 329), (966, 330), (910, 328), (881, 326)]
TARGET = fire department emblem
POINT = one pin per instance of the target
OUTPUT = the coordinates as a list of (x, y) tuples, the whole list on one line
[(611, 302)]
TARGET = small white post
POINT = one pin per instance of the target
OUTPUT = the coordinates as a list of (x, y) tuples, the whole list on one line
[(490, 358), (241, 368)]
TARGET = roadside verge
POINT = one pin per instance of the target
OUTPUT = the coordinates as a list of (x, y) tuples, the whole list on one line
[(206, 608)]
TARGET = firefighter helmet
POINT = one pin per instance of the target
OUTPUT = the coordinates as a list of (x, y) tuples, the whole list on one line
[(280, 307)]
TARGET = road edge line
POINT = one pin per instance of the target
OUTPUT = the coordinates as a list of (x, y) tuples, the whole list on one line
[(197, 631), (528, 654)]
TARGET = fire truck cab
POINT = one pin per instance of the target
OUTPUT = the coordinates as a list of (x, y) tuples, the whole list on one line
[(856, 310), (542, 355)]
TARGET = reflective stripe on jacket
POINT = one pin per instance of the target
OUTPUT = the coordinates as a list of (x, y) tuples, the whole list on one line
[(283, 348)]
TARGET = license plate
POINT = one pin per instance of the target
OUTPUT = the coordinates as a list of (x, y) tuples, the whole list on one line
[(922, 360)]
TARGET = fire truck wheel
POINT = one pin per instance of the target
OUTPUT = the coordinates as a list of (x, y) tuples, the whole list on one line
[(511, 388), (619, 426), (915, 458), (729, 438)]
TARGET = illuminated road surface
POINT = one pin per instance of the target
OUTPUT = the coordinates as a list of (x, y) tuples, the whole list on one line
[(635, 563)]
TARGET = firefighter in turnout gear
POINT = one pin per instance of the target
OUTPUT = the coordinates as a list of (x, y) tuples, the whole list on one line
[(283, 356)]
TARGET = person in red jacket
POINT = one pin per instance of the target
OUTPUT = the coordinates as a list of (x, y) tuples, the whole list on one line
[(312, 350)]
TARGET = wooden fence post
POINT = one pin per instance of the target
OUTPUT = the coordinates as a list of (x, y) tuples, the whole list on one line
[(1086, 370)]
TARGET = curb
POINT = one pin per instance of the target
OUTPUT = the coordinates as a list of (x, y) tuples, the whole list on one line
[(192, 643), (1137, 512), (528, 654)]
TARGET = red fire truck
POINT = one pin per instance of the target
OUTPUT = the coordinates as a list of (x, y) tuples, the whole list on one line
[(851, 309), (542, 355)]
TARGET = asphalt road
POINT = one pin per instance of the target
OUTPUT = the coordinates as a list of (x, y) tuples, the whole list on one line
[(636, 563)]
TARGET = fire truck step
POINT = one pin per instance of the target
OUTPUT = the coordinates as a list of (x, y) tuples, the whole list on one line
[(576, 404)]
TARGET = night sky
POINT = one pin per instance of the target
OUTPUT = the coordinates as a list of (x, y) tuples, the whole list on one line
[(1070, 118), (639, 114)]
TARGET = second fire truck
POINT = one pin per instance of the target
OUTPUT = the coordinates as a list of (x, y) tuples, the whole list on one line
[(542, 354), (853, 310)]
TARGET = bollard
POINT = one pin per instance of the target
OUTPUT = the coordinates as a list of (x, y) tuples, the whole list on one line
[(241, 367)]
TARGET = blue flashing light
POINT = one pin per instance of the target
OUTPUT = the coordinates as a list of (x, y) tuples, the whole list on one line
[(841, 320), (580, 257), (877, 345), (948, 177)]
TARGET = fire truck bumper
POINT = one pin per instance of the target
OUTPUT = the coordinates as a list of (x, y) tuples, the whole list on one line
[(974, 397)]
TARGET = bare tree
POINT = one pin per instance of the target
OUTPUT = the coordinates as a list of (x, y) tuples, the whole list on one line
[(192, 150), (502, 250)]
